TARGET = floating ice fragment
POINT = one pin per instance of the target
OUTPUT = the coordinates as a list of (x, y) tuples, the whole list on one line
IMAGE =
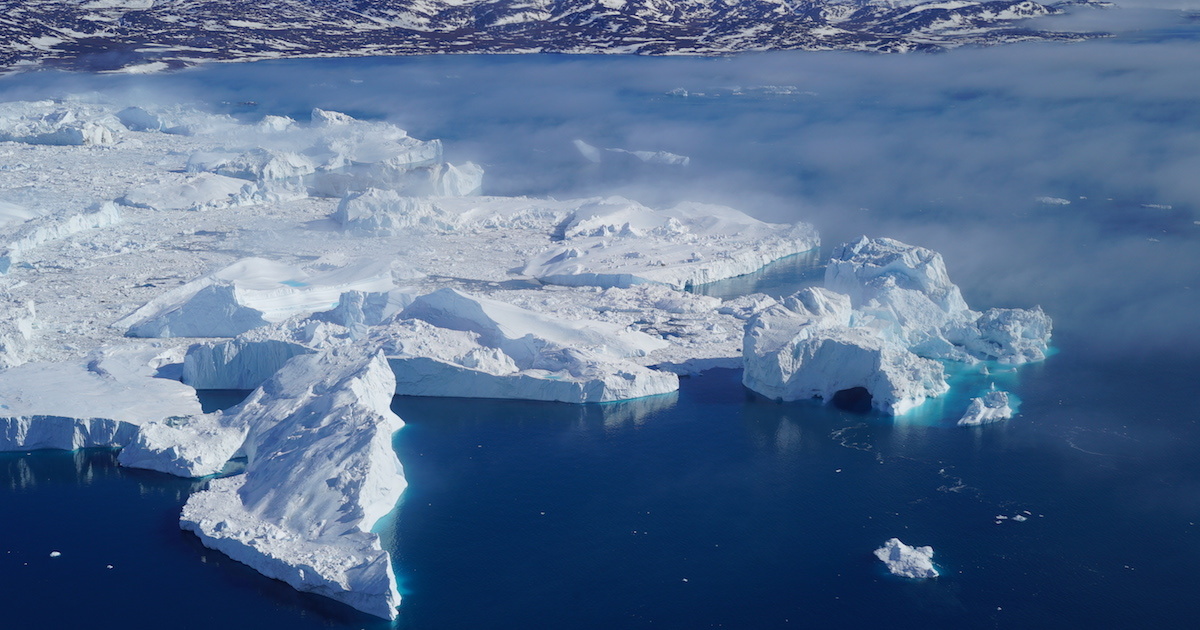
[(906, 561), (991, 407)]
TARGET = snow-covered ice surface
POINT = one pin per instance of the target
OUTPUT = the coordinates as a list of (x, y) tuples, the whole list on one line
[(320, 473), (906, 561), (113, 392), (616, 242), (905, 292)]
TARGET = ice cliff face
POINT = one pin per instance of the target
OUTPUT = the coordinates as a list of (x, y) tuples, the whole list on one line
[(320, 473), (887, 311), (805, 347), (113, 394)]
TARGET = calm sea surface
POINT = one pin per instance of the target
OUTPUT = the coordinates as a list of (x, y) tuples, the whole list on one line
[(714, 507)]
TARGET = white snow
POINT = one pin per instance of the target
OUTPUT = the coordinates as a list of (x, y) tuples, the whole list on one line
[(15, 242), (251, 293), (55, 123), (320, 473), (616, 242), (906, 561), (112, 393), (904, 292)]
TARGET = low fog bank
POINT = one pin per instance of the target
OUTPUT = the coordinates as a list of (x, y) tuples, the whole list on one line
[(948, 151)]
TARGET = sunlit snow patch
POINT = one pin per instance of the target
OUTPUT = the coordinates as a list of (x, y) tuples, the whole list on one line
[(250, 293)]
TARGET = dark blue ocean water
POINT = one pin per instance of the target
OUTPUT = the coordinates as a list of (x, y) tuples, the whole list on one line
[(713, 507)]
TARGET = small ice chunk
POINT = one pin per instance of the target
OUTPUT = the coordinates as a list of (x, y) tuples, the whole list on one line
[(906, 561), (55, 554), (991, 407)]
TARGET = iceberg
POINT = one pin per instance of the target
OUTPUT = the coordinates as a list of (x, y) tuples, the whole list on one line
[(320, 473), (906, 561), (258, 164), (991, 407), (185, 446), (432, 361), (805, 347), (616, 242), (905, 292), (207, 191), (251, 293), (520, 331), (376, 212), (113, 394), (597, 155)]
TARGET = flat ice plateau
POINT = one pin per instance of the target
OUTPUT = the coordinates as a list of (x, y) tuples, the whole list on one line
[(331, 263)]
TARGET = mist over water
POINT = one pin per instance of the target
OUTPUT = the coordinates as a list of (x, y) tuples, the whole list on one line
[(544, 515)]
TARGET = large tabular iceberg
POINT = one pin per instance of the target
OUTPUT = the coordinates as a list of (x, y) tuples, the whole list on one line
[(113, 394), (320, 473)]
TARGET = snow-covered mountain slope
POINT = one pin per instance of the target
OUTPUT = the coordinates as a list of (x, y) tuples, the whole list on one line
[(150, 35)]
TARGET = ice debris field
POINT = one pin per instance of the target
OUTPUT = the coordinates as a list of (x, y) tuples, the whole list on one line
[(331, 263)]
